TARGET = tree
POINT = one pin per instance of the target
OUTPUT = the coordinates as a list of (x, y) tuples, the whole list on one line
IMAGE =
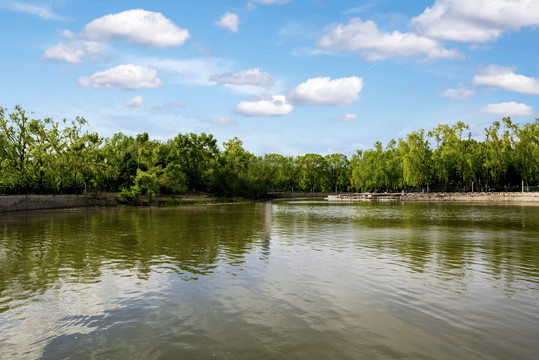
[(197, 156), (313, 167), (337, 172), (527, 152), (416, 159), (17, 140), (232, 175), (173, 180), (290, 172)]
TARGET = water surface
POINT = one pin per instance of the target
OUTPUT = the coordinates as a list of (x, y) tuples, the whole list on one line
[(288, 279)]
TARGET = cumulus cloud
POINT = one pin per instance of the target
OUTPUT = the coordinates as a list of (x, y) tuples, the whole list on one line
[(221, 120), (126, 76), (508, 109), (374, 44), (229, 21), (475, 21), (346, 118), (246, 77), (140, 27), (275, 105), (457, 94), (76, 52), (323, 91), (135, 101), (505, 78)]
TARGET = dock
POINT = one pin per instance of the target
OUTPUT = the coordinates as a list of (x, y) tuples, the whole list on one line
[(365, 197)]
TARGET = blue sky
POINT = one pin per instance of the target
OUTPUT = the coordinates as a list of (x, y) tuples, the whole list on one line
[(285, 76)]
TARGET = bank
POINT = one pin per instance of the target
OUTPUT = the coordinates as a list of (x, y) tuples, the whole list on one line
[(507, 197), (10, 203)]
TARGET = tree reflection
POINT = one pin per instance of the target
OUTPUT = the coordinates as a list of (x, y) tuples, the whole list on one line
[(43, 250), (446, 241)]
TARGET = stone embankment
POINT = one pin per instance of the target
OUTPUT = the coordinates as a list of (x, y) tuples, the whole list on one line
[(296, 195), (43, 202), (480, 197), (466, 197), (46, 202)]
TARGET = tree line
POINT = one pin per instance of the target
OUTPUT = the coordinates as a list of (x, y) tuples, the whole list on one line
[(46, 156)]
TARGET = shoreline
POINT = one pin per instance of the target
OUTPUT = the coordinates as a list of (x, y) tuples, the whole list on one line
[(495, 198), (17, 203)]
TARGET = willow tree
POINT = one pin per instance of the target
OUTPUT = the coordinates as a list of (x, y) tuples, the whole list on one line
[(337, 172), (415, 154), (526, 157), (313, 168)]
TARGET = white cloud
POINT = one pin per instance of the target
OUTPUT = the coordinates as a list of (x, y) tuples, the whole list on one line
[(43, 12), (76, 52), (229, 21), (140, 27), (508, 109), (126, 76), (246, 77), (221, 120), (67, 34), (365, 37), (275, 105), (346, 118), (136, 101), (457, 94), (475, 21), (505, 78), (189, 72), (323, 91)]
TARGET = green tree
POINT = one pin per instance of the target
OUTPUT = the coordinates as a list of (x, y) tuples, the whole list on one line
[(197, 156), (290, 172), (416, 159), (313, 167), (232, 175), (337, 172), (173, 180), (527, 152)]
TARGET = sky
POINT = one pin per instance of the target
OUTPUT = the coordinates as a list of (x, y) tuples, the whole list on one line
[(284, 76)]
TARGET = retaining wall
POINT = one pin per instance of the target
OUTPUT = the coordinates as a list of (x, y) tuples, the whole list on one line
[(42, 202), (488, 197)]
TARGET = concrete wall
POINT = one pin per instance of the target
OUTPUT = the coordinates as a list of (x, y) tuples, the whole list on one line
[(289, 195), (488, 197), (42, 202)]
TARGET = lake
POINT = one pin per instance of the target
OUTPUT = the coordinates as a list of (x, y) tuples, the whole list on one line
[(276, 280)]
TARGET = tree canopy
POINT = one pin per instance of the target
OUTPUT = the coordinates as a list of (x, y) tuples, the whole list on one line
[(44, 156)]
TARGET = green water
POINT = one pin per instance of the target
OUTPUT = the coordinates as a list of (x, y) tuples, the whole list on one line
[(281, 280)]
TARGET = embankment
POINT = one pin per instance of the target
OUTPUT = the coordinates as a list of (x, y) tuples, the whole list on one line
[(295, 195), (44, 202), (515, 197), (474, 197)]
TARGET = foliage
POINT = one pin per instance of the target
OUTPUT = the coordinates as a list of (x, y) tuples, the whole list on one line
[(44, 156)]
